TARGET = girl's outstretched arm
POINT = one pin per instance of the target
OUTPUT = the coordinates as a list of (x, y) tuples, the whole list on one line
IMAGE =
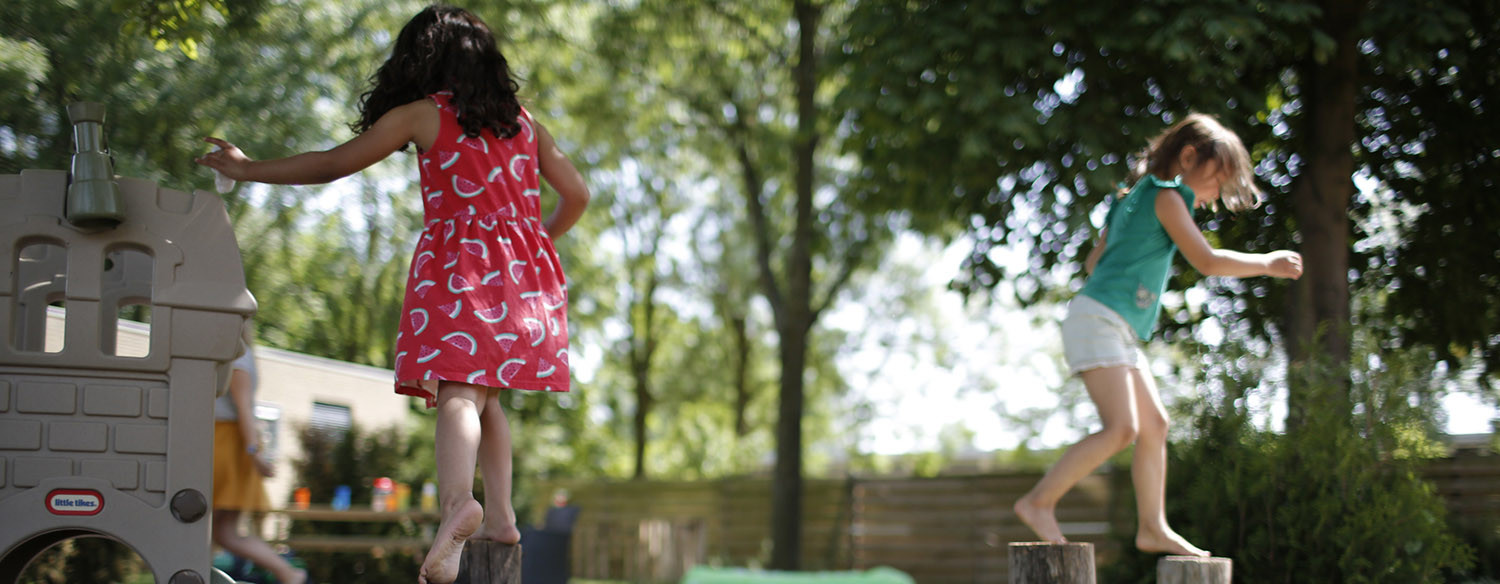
[(393, 130), (1174, 216), (565, 179)]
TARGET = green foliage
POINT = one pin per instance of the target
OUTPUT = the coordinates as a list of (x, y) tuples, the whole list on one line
[(86, 559), (1339, 499), (1010, 121), (1013, 120), (1427, 137), (355, 459), (328, 282), (161, 104), (181, 22), (1485, 539), (677, 124), (334, 291)]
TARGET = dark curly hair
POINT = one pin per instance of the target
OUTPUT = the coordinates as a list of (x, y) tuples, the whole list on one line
[(444, 48)]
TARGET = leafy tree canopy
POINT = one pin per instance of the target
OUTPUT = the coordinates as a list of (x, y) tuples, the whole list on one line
[(1012, 121)]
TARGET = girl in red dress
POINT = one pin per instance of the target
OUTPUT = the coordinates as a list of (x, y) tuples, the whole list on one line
[(486, 300)]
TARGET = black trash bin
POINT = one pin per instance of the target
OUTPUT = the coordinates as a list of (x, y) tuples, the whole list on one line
[(546, 557)]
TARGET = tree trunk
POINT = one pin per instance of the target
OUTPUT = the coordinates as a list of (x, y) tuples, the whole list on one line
[(642, 344), (1051, 563), (489, 562), (638, 424), (796, 321), (786, 524), (740, 329), (1193, 570), (1317, 319)]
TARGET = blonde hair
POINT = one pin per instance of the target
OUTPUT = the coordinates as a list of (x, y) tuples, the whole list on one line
[(1212, 141)]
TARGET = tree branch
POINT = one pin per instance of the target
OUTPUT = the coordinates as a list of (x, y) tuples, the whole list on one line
[(851, 262), (739, 135)]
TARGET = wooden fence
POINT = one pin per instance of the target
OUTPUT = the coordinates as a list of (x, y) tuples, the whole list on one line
[(951, 529), (653, 531), (938, 530), (1470, 485)]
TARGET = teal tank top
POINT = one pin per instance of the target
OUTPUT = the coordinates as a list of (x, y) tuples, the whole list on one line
[(1132, 272)]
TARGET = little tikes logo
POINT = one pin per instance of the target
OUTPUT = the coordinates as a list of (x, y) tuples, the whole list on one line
[(74, 502)]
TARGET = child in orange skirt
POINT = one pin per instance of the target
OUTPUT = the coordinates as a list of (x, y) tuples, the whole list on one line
[(238, 470)]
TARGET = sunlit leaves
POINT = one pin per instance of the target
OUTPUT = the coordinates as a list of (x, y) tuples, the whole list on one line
[(181, 23), (961, 113)]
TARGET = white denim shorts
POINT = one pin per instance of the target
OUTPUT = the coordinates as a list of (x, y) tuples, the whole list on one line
[(1096, 336)]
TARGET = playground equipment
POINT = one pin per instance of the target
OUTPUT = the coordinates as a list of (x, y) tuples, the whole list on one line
[(98, 439)]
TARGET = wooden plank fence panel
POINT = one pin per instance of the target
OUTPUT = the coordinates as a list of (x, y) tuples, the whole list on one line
[(939, 530), (958, 529)]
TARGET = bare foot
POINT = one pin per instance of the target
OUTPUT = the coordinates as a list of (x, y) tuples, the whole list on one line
[(441, 565), (1041, 520), (1166, 542), (501, 534)]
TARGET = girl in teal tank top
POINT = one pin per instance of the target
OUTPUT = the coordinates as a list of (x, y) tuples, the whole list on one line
[(1195, 163), (1131, 273)]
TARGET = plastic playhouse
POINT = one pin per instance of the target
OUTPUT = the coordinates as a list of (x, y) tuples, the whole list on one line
[(95, 439)]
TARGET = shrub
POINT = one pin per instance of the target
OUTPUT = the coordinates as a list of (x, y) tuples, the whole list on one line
[(1338, 498), (355, 458)]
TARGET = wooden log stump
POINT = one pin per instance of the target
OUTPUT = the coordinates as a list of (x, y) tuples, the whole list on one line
[(1051, 563), (488, 562), (1193, 570)]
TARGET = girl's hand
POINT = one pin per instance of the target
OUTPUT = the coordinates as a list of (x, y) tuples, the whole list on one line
[(1284, 264), (264, 466), (228, 160)]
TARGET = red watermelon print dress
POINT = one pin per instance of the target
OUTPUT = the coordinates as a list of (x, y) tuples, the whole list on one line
[(486, 300)]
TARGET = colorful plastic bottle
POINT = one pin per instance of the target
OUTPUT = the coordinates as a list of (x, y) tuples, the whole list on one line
[(429, 497), (403, 497), (341, 496), (382, 499)]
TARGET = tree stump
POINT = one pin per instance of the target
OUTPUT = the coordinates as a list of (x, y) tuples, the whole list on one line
[(488, 562), (1193, 570), (1051, 563)]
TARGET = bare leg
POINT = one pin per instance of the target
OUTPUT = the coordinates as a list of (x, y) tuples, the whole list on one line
[(227, 534), (458, 432), (494, 464), (1148, 471), (1110, 390)]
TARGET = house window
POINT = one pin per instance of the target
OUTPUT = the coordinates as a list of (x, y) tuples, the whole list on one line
[(330, 419)]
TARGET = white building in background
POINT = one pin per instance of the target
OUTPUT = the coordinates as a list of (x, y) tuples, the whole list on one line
[(298, 389), (295, 390)]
